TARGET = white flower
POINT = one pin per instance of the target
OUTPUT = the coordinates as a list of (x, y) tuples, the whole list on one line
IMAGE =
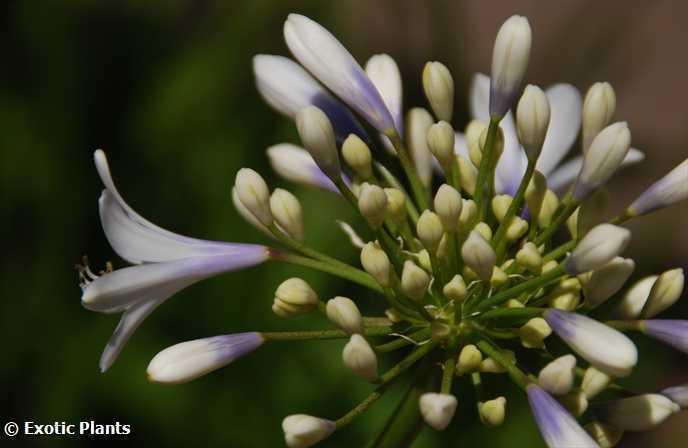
[(165, 263), (303, 431), (532, 118), (327, 59), (640, 413), (360, 358), (384, 74), (598, 109), (607, 349), (438, 85), (437, 409), (189, 360), (296, 165), (597, 248), (288, 88)]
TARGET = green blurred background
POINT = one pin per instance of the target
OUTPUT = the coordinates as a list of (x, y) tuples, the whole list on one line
[(165, 86)]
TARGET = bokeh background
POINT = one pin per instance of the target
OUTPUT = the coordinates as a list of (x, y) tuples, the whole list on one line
[(166, 87)]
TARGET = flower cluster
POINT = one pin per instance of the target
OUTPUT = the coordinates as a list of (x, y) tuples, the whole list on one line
[(467, 246)]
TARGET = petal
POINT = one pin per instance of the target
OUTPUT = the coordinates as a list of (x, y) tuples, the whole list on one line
[(118, 290), (136, 239), (480, 97), (558, 428), (564, 125), (565, 174), (673, 332), (327, 59), (288, 88), (384, 73), (296, 164)]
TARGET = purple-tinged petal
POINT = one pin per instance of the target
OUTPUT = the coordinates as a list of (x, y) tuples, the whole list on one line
[(673, 332), (605, 348), (668, 190), (384, 73), (189, 360), (327, 59), (677, 394), (558, 428), (288, 88), (564, 125), (296, 165)]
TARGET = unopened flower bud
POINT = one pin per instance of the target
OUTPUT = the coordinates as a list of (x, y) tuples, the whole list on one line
[(509, 63), (441, 143), (597, 248), (489, 365), (498, 144), (439, 331), (492, 412), (254, 194), (498, 278), (396, 204), (590, 213), (437, 409), (360, 358), (594, 382), (567, 301), (357, 155), (418, 122), (516, 229), (286, 209), (603, 158), (500, 204), (600, 284), (456, 289), (514, 303), (293, 297), (639, 413), (634, 299), (429, 229), (423, 258), (303, 431), (393, 315), (478, 255), (535, 193), (470, 359), (469, 175), (414, 281), (664, 293), (576, 402), (532, 120), (484, 230), (534, 332), (438, 86), (448, 205), (469, 213), (548, 207), (668, 190), (604, 435), (677, 394), (598, 109), (557, 376), (317, 136), (529, 257), (376, 263), (344, 313), (372, 203), (551, 264)]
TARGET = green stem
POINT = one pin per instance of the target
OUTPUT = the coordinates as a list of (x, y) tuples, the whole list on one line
[(486, 162), (394, 182), (321, 334), (344, 271), (559, 251), (499, 242), (626, 325), (409, 168), (523, 287), (418, 336), (407, 362), (448, 374), (568, 209), (518, 377), (512, 313)]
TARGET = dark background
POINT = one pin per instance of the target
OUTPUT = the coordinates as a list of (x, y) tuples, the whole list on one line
[(165, 86)]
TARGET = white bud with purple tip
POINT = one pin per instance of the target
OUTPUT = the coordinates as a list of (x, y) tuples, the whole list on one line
[(317, 135), (597, 248), (673, 332), (668, 190), (509, 63)]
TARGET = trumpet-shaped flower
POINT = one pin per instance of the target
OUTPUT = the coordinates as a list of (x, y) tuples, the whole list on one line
[(165, 263), (327, 59), (557, 426)]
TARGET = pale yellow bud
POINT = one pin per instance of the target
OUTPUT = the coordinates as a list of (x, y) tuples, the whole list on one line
[(598, 109), (286, 209), (357, 155), (372, 203), (606, 436), (469, 175), (492, 412), (456, 289), (576, 402), (664, 293), (534, 332), (500, 205), (550, 203), (438, 86), (567, 301), (514, 303), (253, 193), (557, 376), (423, 258), (489, 365), (498, 278), (376, 263), (437, 409), (360, 358), (484, 230), (535, 193), (469, 212), (532, 120), (429, 229), (441, 143), (293, 297), (448, 204), (414, 281), (469, 360), (474, 129), (317, 135), (478, 255), (396, 204), (594, 382), (516, 229), (633, 301), (549, 266), (418, 122), (344, 313), (529, 257)]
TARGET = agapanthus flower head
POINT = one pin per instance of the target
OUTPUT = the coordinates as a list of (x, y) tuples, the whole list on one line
[(462, 248)]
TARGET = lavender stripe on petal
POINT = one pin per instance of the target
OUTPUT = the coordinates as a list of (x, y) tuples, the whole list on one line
[(558, 428), (668, 190), (673, 332), (677, 394)]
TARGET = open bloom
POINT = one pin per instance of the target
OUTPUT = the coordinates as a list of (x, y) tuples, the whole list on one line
[(164, 264)]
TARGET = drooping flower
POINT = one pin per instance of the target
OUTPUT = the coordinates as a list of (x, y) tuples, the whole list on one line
[(164, 264)]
